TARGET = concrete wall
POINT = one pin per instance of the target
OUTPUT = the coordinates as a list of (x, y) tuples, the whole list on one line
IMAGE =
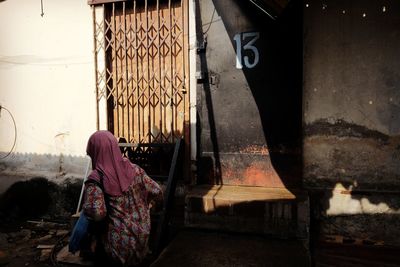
[(47, 83), (351, 109), (249, 126)]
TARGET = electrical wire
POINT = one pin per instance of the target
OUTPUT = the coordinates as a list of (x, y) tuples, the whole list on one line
[(211, 22), (15, 132), (262, 9), (41, 8)]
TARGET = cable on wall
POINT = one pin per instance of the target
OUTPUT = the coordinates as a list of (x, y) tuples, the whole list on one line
[(15, 132)]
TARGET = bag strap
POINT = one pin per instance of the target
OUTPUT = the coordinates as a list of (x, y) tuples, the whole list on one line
[(101, 180)]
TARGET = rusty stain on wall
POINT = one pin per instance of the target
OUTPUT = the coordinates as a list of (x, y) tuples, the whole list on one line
[(255, 174)]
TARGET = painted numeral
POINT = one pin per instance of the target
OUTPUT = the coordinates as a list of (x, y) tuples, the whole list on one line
[(249, 45)]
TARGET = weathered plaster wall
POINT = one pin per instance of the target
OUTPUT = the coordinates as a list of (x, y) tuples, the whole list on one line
[(47, 83), (249, 126), (351, 109)]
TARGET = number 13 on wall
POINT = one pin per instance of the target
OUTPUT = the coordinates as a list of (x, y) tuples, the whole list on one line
[(245, 41)]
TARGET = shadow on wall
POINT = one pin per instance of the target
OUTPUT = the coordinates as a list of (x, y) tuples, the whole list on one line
[(354, 170), (39, 198), (275, 84), (250, 122), (35, 186), (211, 167)]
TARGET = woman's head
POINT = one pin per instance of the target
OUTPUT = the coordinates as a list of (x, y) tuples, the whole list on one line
[(108, 163), (101, 147)]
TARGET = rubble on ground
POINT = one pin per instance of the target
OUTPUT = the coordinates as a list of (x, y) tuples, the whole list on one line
[(31, 243)]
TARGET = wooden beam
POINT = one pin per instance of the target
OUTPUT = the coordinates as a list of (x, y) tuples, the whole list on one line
[(97, 2)]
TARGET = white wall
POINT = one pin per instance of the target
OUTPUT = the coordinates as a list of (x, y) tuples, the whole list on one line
[(47, 82)]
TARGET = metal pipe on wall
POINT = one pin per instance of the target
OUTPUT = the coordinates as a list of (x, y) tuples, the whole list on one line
[(192, 79)]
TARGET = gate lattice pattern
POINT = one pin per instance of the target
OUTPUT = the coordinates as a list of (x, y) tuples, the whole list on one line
[(142, 78)]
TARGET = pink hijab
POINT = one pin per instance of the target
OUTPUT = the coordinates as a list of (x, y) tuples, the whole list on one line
[(118, 173)]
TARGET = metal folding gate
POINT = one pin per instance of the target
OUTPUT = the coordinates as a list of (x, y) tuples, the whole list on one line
[(141, 69)]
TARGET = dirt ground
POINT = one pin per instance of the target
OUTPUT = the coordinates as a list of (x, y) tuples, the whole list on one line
[(36, 243), (197, 248), (30, 243)]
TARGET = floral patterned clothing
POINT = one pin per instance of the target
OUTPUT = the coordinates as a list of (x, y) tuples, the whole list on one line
[(127, 215)]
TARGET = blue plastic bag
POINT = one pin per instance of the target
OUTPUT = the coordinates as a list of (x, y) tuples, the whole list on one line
[(79, 232)]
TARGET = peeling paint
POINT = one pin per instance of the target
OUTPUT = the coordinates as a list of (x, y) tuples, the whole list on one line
[(255, 149), (342, 128), (331, 159)]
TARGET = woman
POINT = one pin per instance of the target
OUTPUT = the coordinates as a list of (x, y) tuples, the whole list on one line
[(119, 193)]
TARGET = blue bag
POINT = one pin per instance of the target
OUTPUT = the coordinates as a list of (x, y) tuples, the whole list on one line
[(79, 232)]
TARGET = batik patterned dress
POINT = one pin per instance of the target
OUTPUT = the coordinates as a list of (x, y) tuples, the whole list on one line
[(128, 217)]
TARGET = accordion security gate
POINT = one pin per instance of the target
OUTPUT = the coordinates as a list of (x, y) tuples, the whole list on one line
[(141, 69)]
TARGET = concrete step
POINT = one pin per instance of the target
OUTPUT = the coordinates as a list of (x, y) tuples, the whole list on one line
[(278, 212)]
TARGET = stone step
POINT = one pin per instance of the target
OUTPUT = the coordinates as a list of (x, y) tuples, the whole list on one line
[(278, 212)]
